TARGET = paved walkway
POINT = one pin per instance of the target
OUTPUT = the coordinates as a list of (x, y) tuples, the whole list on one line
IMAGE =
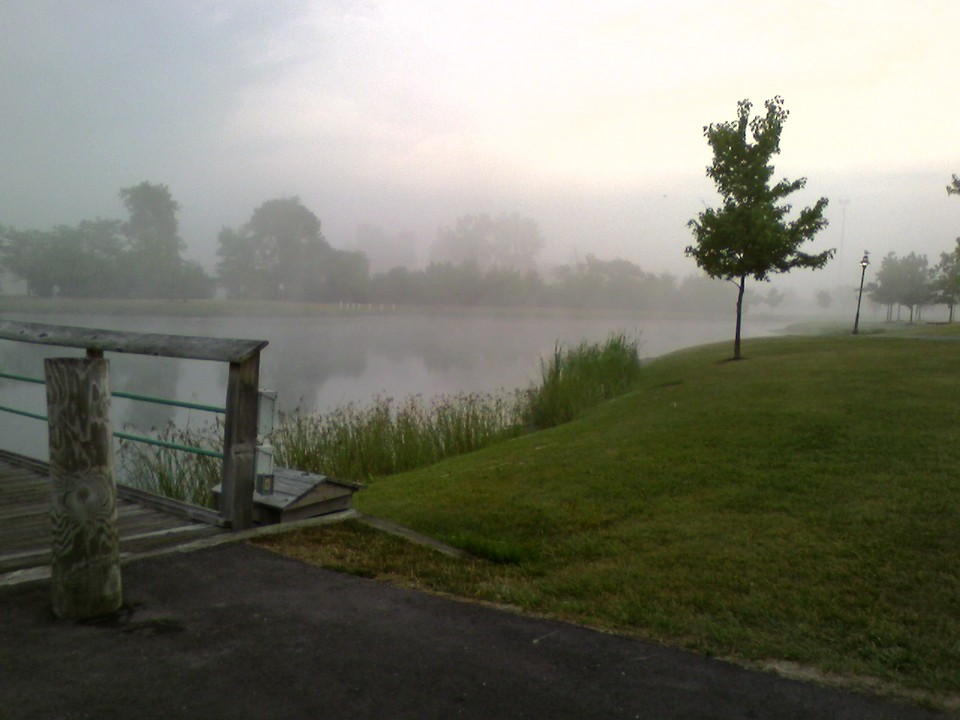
[(237, 632)]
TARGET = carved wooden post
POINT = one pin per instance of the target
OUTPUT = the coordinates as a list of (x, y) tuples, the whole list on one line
[(85, 566), (240, 442)]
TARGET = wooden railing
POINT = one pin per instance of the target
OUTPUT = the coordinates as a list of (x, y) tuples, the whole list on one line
[(240, 420)]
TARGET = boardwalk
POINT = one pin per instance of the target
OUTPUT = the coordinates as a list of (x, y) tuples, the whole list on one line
[(25, 534)]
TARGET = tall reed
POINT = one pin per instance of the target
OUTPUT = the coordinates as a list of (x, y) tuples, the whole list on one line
[(360, 442), (574, 380), (174, 473), (385, 437)]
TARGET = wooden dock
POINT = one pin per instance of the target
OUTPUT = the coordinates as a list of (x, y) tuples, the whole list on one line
[(146, 525)]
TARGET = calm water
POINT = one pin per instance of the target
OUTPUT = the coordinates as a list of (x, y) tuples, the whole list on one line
[(317, 364)]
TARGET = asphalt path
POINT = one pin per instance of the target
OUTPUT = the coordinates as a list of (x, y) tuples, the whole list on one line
[(238, 632)]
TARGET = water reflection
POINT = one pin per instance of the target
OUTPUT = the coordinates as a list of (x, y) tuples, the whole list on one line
[(319, 363)]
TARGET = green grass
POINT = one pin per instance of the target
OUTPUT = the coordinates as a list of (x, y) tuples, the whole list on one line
[(801, 506)]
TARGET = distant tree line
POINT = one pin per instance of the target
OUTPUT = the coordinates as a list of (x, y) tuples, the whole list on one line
[(139, 257), (909, 282), (280, 253)]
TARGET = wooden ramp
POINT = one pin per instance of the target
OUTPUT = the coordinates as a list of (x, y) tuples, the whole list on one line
[(25, 533)]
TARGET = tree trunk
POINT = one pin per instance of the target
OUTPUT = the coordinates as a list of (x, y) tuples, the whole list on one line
[(736, 340)]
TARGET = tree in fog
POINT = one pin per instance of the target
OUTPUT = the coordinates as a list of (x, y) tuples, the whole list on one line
[(82, 261), (616, 284), (824, 299), (946, 279), (508, 240), (280, 254), (153, 234), (903, 281), (288, 243), (277, 254), (749, 235), (386, 251)]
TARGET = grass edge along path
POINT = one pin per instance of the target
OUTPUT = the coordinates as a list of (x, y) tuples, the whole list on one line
[(800, 507)]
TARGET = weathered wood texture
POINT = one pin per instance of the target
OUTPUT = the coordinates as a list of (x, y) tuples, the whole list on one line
[(299, 495), (25, 489), (240, 443), (239, 473), (96, 341), (85, 564)]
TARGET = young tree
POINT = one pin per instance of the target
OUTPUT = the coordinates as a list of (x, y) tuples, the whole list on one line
[(750, 235)]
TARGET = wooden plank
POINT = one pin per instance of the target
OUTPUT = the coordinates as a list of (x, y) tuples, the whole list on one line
[(169, 505), (20, 509), (25, 529), (240, 443), (174, 346)]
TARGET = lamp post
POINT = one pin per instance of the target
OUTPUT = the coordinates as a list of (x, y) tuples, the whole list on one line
[(863, 272)]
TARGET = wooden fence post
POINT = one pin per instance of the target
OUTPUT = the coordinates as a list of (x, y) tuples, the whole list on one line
[(85, 565), (240, 442)]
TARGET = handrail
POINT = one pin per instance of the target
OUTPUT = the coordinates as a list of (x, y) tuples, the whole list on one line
[(185, 347), (130, 396), (240, 421)]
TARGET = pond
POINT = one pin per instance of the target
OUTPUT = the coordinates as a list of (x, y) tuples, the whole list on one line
[(318, 363)]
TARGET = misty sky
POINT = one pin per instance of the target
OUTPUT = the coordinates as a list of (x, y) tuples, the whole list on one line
[(586, 116)]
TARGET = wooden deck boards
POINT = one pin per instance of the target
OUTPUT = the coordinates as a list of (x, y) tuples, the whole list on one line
[(25, 533)]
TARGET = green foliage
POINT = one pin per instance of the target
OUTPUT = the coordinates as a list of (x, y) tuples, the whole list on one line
[(750, 235), (109, 258), (582, 377), (946, 279), (153, 260), (280, 254), (903, 281)]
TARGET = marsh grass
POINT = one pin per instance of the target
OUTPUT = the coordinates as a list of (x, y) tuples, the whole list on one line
[(173, 473), (574, 380), (388, 437), (361, 442)]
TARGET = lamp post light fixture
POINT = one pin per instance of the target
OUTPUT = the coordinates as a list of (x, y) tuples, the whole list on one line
[(863, 272)]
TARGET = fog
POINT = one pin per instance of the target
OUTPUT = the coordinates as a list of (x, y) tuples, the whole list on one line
[(586, 117)]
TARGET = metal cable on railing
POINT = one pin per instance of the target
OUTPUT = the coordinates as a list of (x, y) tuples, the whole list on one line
[(129, 436)]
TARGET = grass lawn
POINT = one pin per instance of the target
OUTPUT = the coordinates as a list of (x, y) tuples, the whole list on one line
[(802, 505)]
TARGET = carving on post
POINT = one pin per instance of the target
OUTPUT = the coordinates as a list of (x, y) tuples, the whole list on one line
[(85, 565)]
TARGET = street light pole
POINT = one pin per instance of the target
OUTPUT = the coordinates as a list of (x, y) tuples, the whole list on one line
[(863, 272)]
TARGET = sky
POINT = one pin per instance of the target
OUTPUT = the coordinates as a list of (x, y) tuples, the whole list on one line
[(586, 116)]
